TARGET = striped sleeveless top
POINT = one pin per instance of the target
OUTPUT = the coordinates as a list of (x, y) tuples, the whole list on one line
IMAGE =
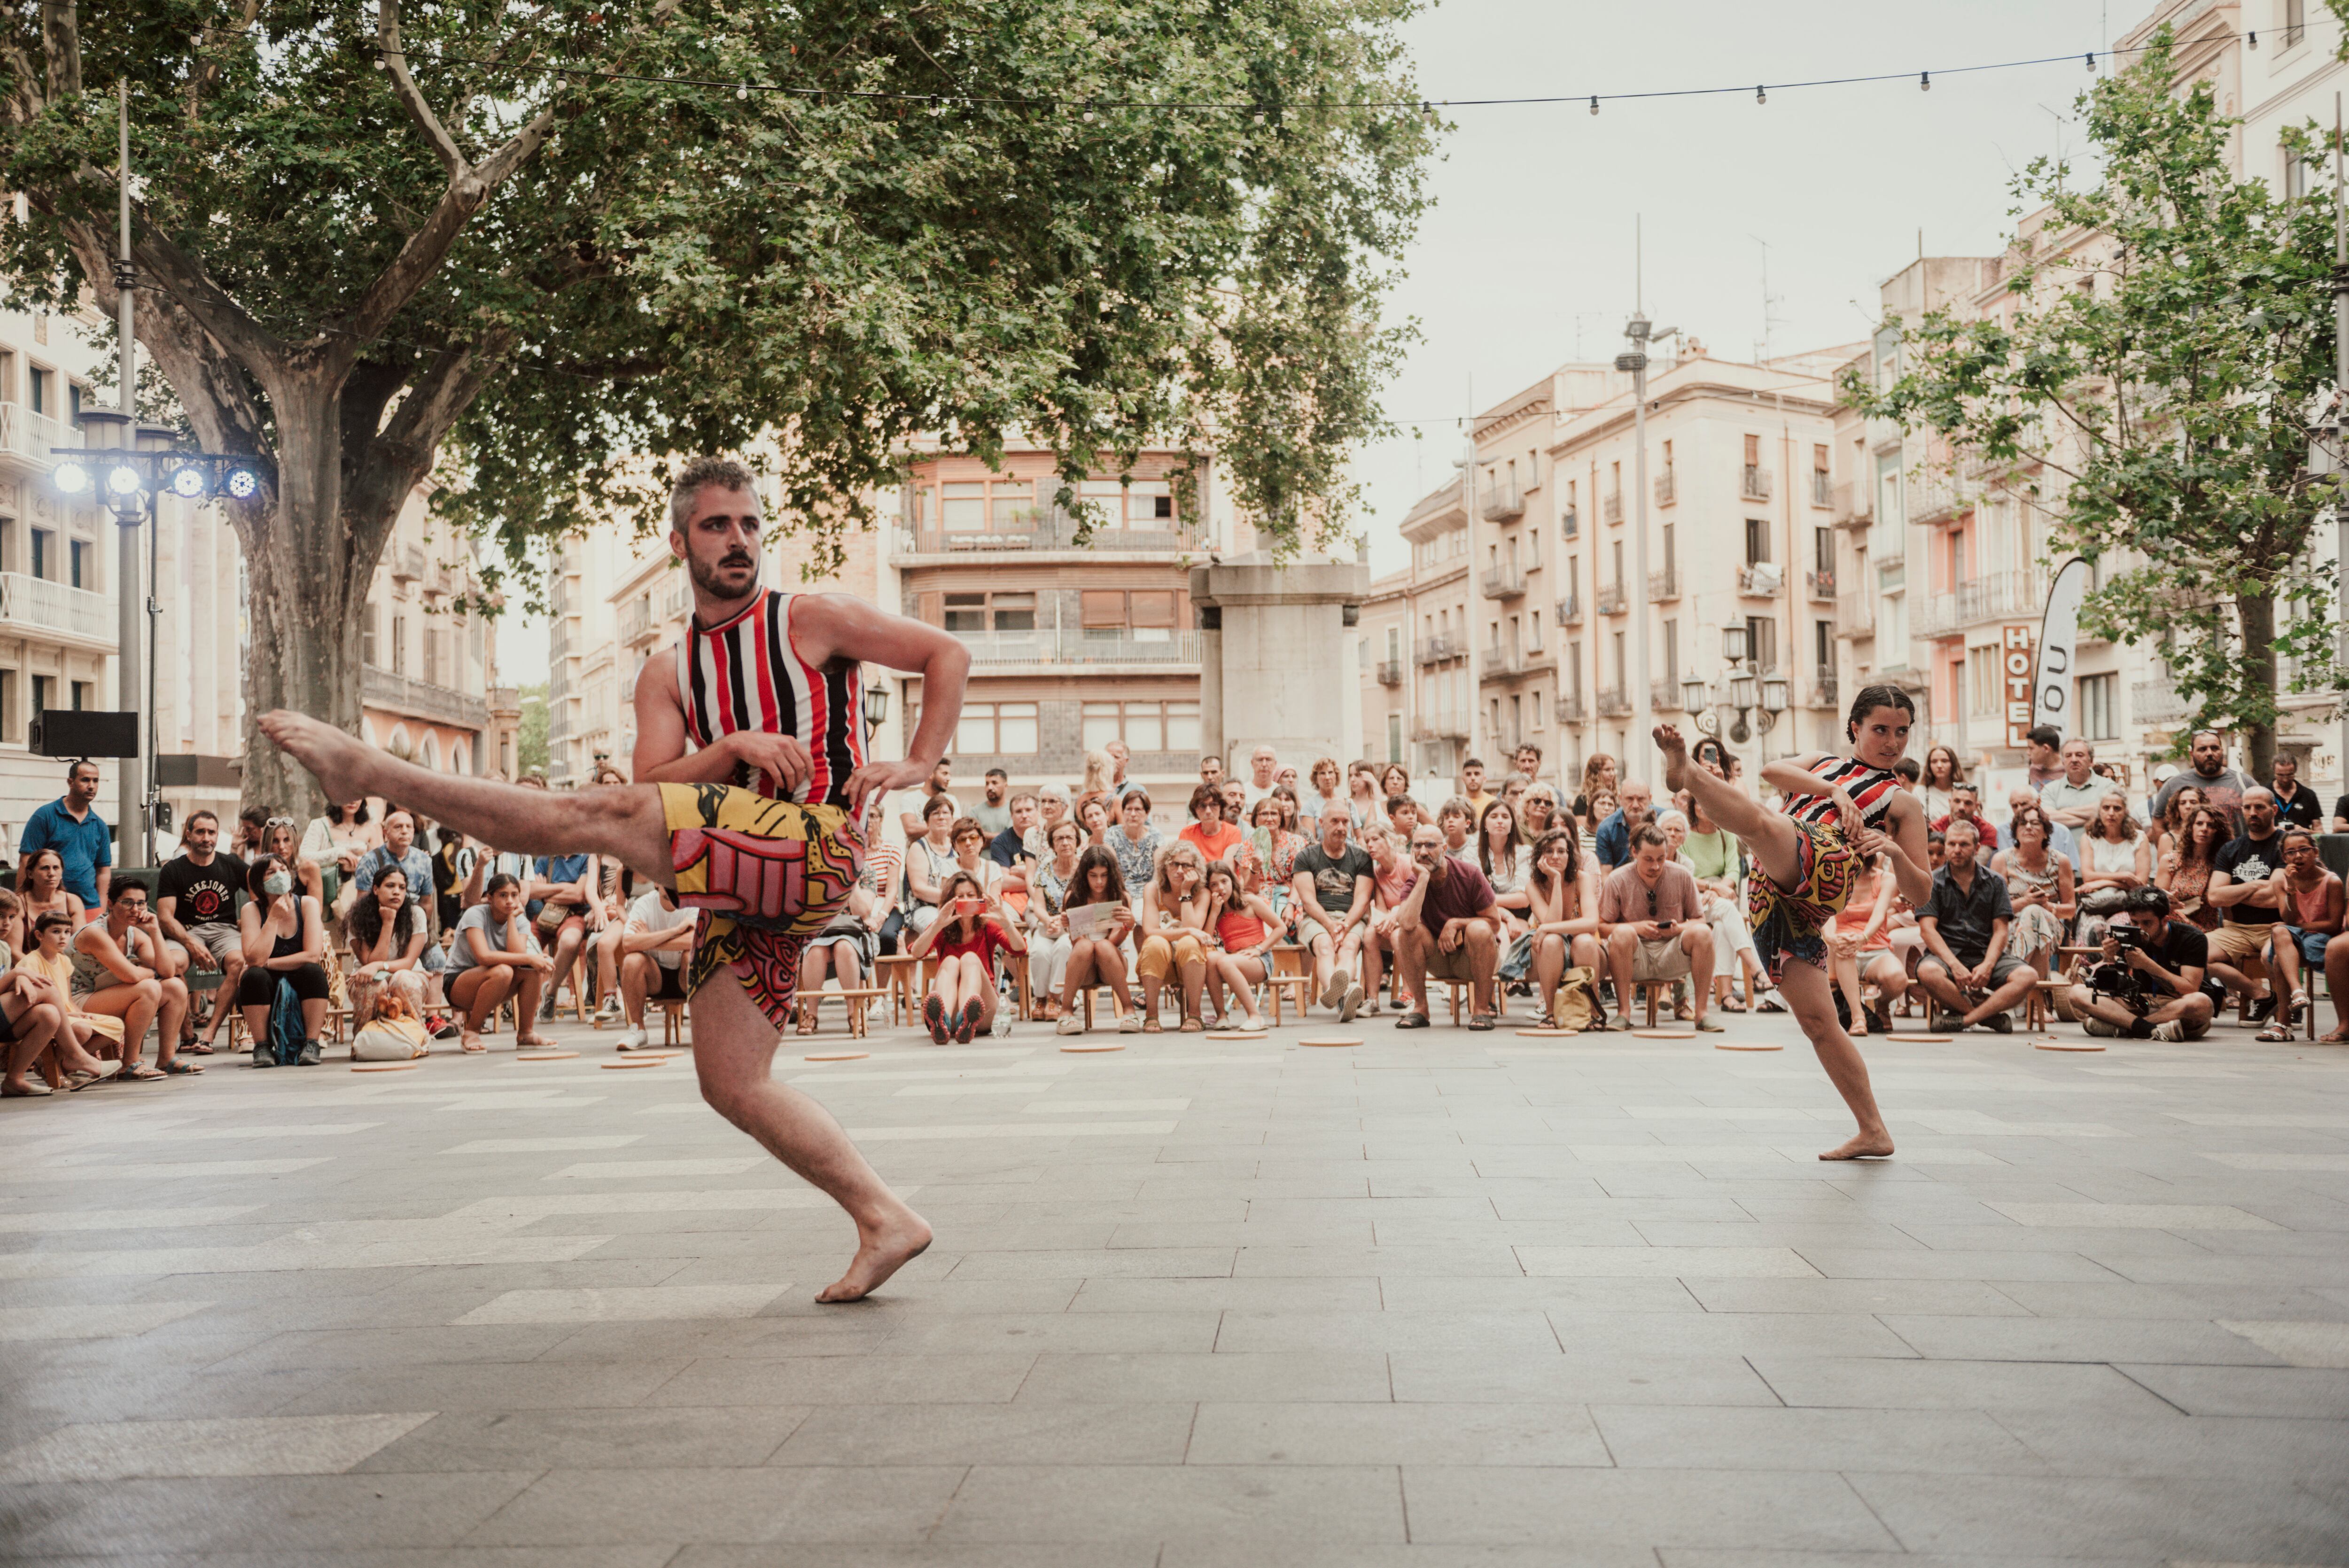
[(745, 673), (1870, 789)]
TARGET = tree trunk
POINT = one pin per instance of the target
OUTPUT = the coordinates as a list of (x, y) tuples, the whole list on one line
[(2257, 614), (306, 581)]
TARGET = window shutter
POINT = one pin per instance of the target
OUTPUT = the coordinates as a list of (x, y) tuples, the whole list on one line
[(1103, 607), (932, 613), (1152, 609)]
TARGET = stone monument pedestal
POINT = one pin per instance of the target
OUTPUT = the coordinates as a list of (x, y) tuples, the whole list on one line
[(1278, 659)]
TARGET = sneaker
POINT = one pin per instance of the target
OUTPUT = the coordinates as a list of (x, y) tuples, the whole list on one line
[(1622, 1024), (1350, 1004), (309, 1057), (441, 1028), (2001, 1023), (262, 1056), (2172, 1031), (1709, 1025), (1070, 1024), (546, 1010), (636, 1039), (1334, 993), (967, 1024), (610, 1010), (1940, 1023), (933, 1015), (2262, 1008)]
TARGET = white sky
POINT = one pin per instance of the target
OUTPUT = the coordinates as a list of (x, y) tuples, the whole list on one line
[(1524, 259), (1529, 240)]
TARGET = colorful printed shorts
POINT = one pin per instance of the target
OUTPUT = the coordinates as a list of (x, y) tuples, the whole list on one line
[(767, 875), (1788, 923)]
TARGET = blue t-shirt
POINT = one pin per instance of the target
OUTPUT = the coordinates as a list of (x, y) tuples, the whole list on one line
[(83, 846), (559, 869)]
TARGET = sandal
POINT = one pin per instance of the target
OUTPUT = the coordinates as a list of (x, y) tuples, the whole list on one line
[(806, 1022), (30, 1092), (2276, 1034), (175, 1067), (141, 1073), (195, 1048), (1152, 1026)]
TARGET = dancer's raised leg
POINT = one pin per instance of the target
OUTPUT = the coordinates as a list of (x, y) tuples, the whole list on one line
[(1772, 837), (1811, 997), (733, 1053), (623, 820)]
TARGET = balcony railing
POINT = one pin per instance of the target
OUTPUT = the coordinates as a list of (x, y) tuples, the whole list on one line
[(1536, 658), (1442, 648), (1664, 583), (1854, 501), (1753, 483), (1936, 494), (1569, 611), (1031, 529), (1570, 708), (1820, 693), (2156, 702), (1666, 492), (1822, 488), (422, 699), (1501, 661), (1437, 727), (1614, 701), (505, 699), (1569, 525), (1611, 509), (1390, 672), (1856, 613), (635, 619), (1760, 580), (1072, 647), (1821, 587), (29, 437), (407, 564), (1503, 582), (1995, 597), (1611, 601), (1502, 500), (1664, 694), (38, 604)]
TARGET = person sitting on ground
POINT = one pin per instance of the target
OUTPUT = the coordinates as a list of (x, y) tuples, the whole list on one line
[(1209, 833), (1968, 971), (1330, 898), (385, 935), (1097, 958), (2310, 900), (1245, 934), (2174, 1000), (32, 1012), (285, 937), (1047, 925), (495, 956), (1860, 950), (52, 967), (1612, 840), (970, 930), (845, 947), (2038, 887), (1392, 876), (1653, 918), (655, 944), (195, 905), (1175, 919), (1564, 914), (1445, 932)]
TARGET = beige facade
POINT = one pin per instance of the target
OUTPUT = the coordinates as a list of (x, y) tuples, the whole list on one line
[(428, 682)]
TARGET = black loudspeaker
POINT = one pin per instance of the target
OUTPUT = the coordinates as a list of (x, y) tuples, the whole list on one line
[(83, 732)]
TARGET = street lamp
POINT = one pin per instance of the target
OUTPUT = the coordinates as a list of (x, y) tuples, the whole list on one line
[(876, 706), (1757, 698)]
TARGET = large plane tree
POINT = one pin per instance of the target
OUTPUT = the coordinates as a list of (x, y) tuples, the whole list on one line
[(520, 248)]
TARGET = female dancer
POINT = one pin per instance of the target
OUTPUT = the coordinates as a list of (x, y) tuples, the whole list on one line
[(970, 930), (1837, 810), (1565, 888), (1097, 960)]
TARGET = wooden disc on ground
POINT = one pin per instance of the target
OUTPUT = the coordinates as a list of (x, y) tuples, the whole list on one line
[(839, 1056), (1663, 1034), (1331, 1040), (1076, 1049), (1918, 1039), (633, 1062), (2055, 1045), (1744, 1046), (385, 1066), (1548, 1034), (544, 1055), (1235, 1033)]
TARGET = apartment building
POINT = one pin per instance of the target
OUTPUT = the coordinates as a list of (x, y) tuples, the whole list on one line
[(429, 688)]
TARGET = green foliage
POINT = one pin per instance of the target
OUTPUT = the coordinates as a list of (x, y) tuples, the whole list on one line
[(2169, 330), (531, 753), (662, 266)]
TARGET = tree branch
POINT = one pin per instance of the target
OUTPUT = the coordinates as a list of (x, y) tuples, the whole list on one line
[(61, 41), (403, 86), (209, 72)]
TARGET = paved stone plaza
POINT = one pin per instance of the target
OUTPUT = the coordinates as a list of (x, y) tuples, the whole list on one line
[(1443, 1299)]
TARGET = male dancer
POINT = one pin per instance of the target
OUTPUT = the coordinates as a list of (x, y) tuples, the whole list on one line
[(759, 824), (1839, 809)]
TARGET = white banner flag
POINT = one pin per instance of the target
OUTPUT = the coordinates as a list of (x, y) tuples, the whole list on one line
[(2050, 688)]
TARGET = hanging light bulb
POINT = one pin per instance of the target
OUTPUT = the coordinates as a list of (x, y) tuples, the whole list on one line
[(1594, 103), (2255, 38), (2091, 62), (1924, 81), (1760, 97)]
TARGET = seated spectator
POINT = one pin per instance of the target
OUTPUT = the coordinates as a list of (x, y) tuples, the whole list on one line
[(928, 859), (385, 935), (284, 946), (845, 947), (1010, 846), (122, 965), (1098, 959), (195, 905), (655, 943), (1392, 877), (1267, 862), (31, 1011), (1245, 933), (44, 888), (2164, 990), (335, 842), (1611, 841), (1403, 817), (1052, 808), (991, 813), (1048, 925), (2038, 887), (1174, 935), (51, 969), (1330, 899), (2309, 899), (1860, 950), (1563, 915), (1967, 970), (1457, 821), (970, 930), (568, 906), (1652, 917), (494, 955), (1445, 931), (1965, 806), (1209, 833), (2116, 853), (934, 789), (277, 839)]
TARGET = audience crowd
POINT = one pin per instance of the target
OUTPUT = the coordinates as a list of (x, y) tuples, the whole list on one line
[(2141, 918)]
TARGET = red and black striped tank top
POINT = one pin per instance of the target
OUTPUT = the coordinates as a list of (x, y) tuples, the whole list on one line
[(745, 673), (1870, 789)]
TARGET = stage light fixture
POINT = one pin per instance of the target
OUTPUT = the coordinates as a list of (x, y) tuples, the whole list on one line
[(71, 478)]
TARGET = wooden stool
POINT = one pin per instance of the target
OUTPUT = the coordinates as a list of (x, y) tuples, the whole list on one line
[(1458, 989), (857, 1001), (2039, 1006), (1277, 984), (899, 974), (1649, 991), (673, 1017)]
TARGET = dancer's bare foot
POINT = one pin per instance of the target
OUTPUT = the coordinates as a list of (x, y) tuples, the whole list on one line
[(879, 1252), (339, 761), (1862, 1146), (1668, 741)]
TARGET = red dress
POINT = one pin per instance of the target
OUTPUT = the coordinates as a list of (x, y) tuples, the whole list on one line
[(986, 944)]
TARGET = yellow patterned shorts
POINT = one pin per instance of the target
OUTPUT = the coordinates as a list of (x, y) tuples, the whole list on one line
[(765, 874)]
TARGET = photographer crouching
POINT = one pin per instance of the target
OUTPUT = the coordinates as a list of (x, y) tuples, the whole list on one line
[(2151, 983)]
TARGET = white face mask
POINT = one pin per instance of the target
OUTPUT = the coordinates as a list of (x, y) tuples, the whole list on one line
[(276, 885)]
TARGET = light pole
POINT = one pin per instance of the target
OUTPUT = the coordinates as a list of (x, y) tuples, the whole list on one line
[(1635, 360), (1757, 699)]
